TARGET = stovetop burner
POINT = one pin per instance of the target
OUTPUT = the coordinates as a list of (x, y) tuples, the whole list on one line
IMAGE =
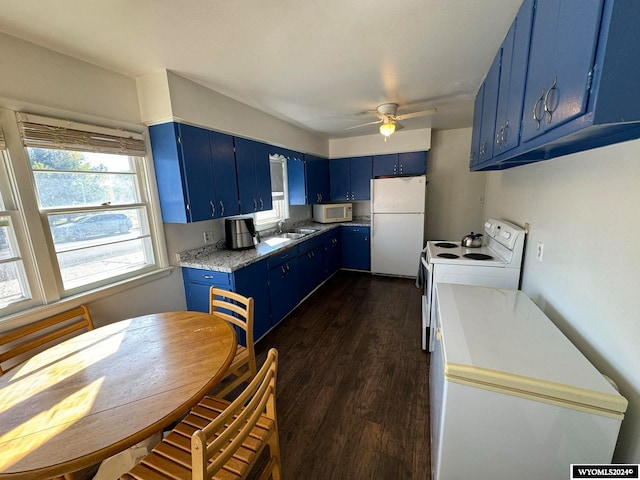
[(447, 245), (478, 256), (448, 255)]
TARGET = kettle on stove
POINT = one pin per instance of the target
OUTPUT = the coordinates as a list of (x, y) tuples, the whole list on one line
[(473, 240)]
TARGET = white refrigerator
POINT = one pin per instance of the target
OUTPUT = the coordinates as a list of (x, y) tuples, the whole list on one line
[(397, 224)]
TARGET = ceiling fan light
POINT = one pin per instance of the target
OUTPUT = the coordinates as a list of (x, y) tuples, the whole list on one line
[(387, 128)]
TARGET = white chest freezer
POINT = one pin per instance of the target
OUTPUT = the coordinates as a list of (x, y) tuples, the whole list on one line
[(510, 395)]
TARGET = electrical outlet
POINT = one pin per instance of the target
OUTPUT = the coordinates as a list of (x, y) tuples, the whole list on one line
[(540, 251), (208, 237)]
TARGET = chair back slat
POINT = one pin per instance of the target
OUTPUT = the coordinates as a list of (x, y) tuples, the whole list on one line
[(238, 310), (221, 439), (30, 338), (226, 433)]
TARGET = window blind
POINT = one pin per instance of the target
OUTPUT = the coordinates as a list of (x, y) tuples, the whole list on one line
[(3, 145), (43, 132), (277, 180)]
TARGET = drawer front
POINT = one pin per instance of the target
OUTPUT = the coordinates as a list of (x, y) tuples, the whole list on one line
[(196, 275), (282, 257), (355, 229)]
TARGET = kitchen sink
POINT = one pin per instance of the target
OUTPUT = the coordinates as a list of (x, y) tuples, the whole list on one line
[(305, 231), (291, 235)]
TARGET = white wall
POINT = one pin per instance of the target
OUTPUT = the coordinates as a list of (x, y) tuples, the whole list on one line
[(192, 103), (41, 81), (585, 209), (401, 141), (454, 205)]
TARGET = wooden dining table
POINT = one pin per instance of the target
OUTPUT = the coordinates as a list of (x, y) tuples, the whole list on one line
[(96, 394)]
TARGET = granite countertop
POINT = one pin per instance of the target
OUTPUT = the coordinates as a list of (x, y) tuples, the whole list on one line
[(210, 257)]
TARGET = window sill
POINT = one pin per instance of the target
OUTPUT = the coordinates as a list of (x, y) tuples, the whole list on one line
[(43, 311)]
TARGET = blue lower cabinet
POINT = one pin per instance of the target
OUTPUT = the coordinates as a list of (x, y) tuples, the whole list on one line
[(310, 267), (356, 250), (331, 255), (197, 283), (284, 291), (250, 281), (278, 283)]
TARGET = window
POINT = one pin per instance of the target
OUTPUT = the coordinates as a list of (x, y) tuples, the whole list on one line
[(279, 194), (14, 287), (89, 191), (75, 213)]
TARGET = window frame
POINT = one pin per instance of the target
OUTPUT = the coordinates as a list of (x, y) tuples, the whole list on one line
[(36, 244), (273, 220), (16, 240), (141, 203)]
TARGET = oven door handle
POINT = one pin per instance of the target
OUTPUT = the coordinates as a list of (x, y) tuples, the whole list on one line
[(426, 264)]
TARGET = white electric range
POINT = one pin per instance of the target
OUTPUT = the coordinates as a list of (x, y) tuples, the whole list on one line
[(497, 263)]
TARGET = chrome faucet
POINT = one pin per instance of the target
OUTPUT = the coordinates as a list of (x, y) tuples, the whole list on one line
[(280, 226)]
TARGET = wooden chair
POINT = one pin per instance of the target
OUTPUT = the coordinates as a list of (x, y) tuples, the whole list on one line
[(219, 439), (25, 341), (237, 310)]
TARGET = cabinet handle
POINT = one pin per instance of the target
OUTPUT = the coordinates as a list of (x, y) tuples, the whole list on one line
[(221, 209), (504, 133), (499, 135), (347, 196), (207, 277), (255, 205), (284, 272), (261, 204), (213, 208), (539, 101), (547, 110)]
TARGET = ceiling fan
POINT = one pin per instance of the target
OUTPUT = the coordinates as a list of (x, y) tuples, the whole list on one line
[(389, 119)]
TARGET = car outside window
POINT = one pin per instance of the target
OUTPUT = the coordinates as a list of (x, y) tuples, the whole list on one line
[(96, 216)]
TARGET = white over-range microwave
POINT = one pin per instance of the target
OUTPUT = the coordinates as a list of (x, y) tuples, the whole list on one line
[(332, 212)]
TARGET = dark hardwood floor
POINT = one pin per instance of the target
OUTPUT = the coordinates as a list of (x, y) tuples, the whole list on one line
[(352, 398)]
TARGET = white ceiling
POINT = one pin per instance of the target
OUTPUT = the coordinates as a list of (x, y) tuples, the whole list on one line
[(318, 64)]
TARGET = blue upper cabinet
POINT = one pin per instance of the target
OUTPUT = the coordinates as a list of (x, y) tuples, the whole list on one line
[(350, 179), (582, 71), (224, 174), (489, 107), (295, 179), (308, 178), (513, 74), (317, 179), (360, 170), (193, 180), (254, 175), (477, 124), (563, 45), (340, 179), (396, 164)]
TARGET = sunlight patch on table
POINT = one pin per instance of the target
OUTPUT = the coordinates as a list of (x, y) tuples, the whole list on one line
[(66, 413), (62, 371)]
